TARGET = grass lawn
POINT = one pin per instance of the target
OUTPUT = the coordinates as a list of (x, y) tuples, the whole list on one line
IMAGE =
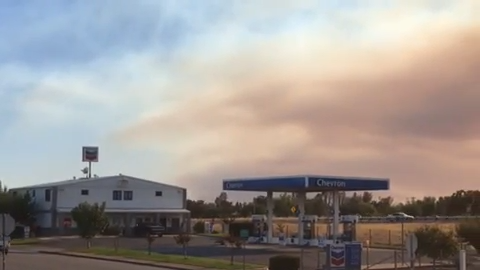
[(25, 241), (164, 258)]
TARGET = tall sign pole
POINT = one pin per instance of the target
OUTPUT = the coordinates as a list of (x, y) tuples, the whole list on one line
[(4, 242), (90, 154), (7, 227)]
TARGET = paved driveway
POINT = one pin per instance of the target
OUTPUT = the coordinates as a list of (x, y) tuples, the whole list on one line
[(26, 261)]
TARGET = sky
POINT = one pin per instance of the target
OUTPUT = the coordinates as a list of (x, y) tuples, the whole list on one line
[(192, 92)]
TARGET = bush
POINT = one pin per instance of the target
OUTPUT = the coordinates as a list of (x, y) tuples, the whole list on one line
[(436, 243), (469, 231), (284, 262), (199, 227)]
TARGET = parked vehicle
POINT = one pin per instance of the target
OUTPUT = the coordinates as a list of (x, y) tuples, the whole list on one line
[(399, 216), (5, 245), (144, 229)]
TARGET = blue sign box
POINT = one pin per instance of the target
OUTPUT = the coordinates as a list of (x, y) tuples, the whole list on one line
[(307, 183), (345, 256)]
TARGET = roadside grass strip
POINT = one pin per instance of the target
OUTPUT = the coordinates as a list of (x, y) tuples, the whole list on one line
[(202, 262)]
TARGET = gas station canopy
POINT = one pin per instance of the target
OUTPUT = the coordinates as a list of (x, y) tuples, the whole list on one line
[(307, 183)]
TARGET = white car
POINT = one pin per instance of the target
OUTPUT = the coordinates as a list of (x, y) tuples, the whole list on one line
[(399, 216), (5, 246)]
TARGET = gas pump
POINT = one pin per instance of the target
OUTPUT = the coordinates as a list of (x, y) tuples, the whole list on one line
[(259, 229), (345, 244), (349, 223), (309, 230)]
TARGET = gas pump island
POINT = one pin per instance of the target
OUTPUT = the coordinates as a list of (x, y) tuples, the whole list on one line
[(342, 250)]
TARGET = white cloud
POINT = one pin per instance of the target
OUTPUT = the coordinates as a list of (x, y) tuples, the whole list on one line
[(122, 86)]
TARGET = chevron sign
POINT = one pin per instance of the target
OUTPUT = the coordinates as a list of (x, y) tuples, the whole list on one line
[(337, 255)]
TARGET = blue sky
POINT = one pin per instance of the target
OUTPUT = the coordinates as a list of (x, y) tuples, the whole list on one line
[(77, 73)]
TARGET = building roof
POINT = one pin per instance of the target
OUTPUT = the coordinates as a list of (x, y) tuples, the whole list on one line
[(74, 181)]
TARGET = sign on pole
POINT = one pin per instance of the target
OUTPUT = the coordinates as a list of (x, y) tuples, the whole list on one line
[(7, 226), (295, 210), (90, 154)]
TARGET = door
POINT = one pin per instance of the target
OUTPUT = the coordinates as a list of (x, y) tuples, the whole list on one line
[(163, 221)]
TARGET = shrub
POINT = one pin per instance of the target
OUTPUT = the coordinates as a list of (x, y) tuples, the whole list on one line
[(436, 243), (199, 227), (284, 262), (469, 231), (281, 227)]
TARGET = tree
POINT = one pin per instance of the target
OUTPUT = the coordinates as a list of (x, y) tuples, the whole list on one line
[(150, 239), (20, 206), (90, 220), (436, 243), (469, 231), (183, 239), (22, 209), (462, 202), (234, 243)]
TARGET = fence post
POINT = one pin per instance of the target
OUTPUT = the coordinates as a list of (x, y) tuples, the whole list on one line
[(319, 265), (462, 259), (301, 258), (370, 235), (395, 259), (389, 237), (403, 242), (367, 257)]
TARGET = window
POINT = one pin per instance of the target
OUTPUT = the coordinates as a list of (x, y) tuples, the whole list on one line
[(48, 195), (14, 193), (117, 195), (84, 192), (33, 193), (128, 195), (158, 193)]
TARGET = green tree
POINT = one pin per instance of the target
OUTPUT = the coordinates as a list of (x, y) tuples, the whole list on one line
[(436, 243), (90, 220), (20, 207), (469, 231)]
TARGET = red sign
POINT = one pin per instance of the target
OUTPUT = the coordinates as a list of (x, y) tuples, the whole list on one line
[(67, 222)]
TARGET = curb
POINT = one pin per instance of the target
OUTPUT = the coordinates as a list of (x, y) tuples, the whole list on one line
[(112, 259)]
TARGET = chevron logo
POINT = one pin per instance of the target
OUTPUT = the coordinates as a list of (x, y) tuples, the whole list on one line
[(337, 256), (337, 262)]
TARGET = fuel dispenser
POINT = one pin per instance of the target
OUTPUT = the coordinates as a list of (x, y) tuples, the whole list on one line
[(349, 223), (345, 252), (309, 230), (259, 229), (309, 227)]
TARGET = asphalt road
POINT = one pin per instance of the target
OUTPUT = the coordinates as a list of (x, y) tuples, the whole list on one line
[(21, 260)]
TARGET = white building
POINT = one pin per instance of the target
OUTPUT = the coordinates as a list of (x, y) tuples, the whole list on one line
[(129, 200)]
